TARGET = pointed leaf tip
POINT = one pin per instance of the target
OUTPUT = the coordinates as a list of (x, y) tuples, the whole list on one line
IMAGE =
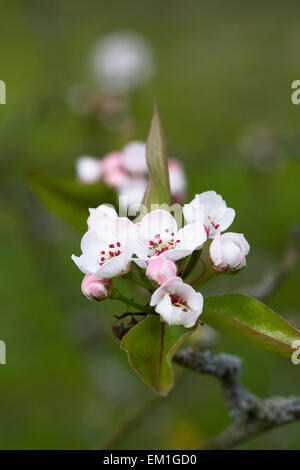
[(158, 191)]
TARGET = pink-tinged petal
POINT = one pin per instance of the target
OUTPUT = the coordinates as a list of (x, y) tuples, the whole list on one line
[(112, 162), (116, 179), (95, 289), (160, 269), (215, 250), (177, 178)]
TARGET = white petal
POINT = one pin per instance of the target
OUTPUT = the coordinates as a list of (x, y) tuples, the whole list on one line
[(165, 308), (192, 236), (96, 215), (157, 295), (142, 263), (88, 169), (226, 219), (189, 319), (86, 264), (176, 254), (215, 250), (232, 255), (195, 301), (157, 222), (113, 267), (193, 212), (90, 243)]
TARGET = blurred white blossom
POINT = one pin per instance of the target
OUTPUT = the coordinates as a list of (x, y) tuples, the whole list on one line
[(121, 62)]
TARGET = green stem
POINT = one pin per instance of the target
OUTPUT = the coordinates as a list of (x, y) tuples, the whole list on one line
[(193, 260), (116, 295), (141, 282), (207, 273)]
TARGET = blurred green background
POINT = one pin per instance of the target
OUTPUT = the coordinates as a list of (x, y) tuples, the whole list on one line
[(223, 85)]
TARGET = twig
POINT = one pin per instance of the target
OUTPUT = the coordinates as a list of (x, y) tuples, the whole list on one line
[(131, 423), (276, 276), (251, 415)]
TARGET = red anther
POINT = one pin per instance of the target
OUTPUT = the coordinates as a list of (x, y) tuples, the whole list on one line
[(102, 252), (118, 244), (102, 259), (160, 241), (111, 254), (157, 235), (118, 253), (217, 226), (151, 243), (177, 241), (111, 245)]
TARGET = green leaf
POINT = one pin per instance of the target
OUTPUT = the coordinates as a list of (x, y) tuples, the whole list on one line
[(251, 321), (69, 199), (158, 190), (150, 346)]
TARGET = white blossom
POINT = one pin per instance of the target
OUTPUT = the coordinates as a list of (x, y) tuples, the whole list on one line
[(213, 208), (134, 157), (177, 303), (107, 248), (122, 62), (88, 169), (96, 215), (159, 236)]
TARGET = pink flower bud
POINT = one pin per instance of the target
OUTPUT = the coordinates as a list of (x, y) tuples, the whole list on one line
[(160, 269), (95, 289), (229, 251)]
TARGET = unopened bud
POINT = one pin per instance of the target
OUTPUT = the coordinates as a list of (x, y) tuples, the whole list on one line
[(95, 289)]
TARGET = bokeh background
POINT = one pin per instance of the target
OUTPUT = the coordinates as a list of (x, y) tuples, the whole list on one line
[(223, 85)]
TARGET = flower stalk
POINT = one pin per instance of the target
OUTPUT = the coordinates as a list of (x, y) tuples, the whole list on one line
[(117, 295)]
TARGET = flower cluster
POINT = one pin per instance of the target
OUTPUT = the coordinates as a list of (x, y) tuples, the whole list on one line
[(126, 172), (158, 247)]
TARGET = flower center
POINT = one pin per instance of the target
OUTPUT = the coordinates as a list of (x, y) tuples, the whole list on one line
[(178, 301), (213, 222), (114, 249), (157, 246)]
